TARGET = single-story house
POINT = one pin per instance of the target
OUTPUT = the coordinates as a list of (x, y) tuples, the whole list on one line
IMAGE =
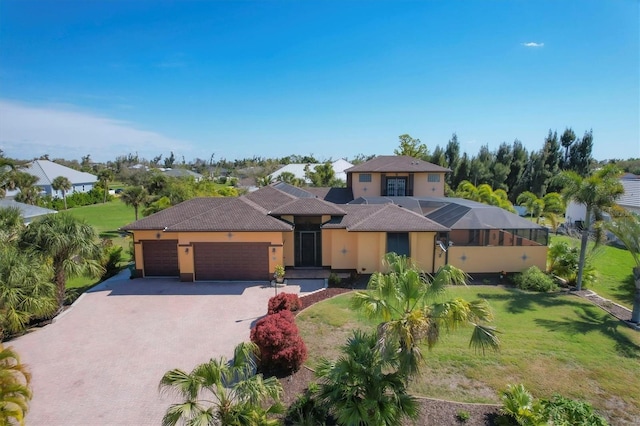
[(298, 170), (27, 211), (181, 173), (391, 203), (46, 171)]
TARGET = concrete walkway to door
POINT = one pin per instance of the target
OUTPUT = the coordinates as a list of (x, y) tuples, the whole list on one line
[(100, 362)]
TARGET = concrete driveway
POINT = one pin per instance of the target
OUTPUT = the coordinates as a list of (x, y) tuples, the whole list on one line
[(100, 362)]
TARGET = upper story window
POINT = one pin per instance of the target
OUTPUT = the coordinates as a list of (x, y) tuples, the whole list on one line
[(364, 177), (433, 177)]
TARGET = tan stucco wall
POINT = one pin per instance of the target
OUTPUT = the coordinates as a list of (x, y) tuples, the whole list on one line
[(288, 249), (489, 259), (421, 186)]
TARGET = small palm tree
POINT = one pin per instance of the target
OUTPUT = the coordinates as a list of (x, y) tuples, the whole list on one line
[(62, 184), (404, 300), (15, 392), (69, 243), (134, 196), (26, 290), (105, 176), (363, 386), (11, 224), (235, 393), (597, 192), (627, 229)]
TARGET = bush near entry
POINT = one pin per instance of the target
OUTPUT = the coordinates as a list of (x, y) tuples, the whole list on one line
[(282, 349)]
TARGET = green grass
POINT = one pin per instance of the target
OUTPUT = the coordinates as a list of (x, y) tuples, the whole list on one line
[(106, 219), (550, 343), (614, 266)]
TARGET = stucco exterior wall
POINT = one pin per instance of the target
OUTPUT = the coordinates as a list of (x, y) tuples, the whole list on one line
[(489, 259), (365, 189), (423, 188), (421, 185)]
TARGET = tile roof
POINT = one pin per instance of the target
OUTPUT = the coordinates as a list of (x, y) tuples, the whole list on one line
[(396, 163), (269, 197), (294, 190), (46, 171), (308, 206), (171, 216), (382, 217)]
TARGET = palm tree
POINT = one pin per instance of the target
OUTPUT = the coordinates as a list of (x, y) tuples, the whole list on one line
[(26, 290), (63, 184), (597, 192), (531, 202), (134, 196), (11, 224), (69, 243), (235, 393), (484, 194), (627, 230), (404, 299), (363, 387), (105, 176), (15, 392)]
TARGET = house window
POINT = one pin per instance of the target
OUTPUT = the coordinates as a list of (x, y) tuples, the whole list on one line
[(396, 187), (433, 177), (364, 177), (398, 242)]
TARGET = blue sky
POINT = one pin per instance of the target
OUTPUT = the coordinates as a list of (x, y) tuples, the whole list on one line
[(335, 79)]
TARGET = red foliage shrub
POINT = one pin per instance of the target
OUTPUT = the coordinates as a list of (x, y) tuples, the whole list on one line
[(281, 347), (284, 301)]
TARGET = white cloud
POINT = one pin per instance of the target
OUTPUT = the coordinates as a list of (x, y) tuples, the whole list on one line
[(533, 44), (27, 132)]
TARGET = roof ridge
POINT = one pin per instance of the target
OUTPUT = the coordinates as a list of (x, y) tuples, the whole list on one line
[(375, 212), (254, 205), (199, 214)]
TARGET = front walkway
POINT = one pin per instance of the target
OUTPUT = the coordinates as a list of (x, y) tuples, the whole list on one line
[(100, 362)]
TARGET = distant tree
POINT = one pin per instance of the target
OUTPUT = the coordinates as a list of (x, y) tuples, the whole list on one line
[(567, 139), (69, 243), (438, 157), (11, 224), (170, 161), (519, 160), (15, 390), (85, 164), (597, 192), (62, 184), (360, 158), (105, 176), (323, 175), (134, 196), (580, 158), (463, 172), (411, 147), (552, 159), (452, 157)]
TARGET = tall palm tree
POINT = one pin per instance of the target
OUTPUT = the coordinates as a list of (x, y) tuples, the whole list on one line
[(406, 302), (105, 176), (597, 192), (134, 196), (26, 290), (69, 243), (235, 394), (364, 387), (15, 392), (63, 184), (627, 230)]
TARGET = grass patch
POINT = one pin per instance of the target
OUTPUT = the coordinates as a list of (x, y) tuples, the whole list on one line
[(550, 343), (614, 266)]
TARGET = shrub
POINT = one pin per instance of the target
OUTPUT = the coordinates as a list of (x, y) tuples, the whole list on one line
[(308, 410), (284, 301), (560, 411), (281, 347), (334, 279), (535, 280), (562, 260), (111, 257), (463, 416)]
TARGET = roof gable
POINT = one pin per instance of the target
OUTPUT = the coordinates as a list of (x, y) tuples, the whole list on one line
[(46, 171), (396, 163)]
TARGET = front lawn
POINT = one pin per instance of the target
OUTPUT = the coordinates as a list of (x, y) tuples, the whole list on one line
[(614, 266), (550, 343)]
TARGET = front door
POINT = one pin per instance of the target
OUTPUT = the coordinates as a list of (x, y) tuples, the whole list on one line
[(307, 248)]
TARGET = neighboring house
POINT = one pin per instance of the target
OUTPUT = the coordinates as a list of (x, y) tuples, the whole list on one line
[(46, 171), (27, 211), (629, 200), (298, 170), (246, 237), (181, 173)]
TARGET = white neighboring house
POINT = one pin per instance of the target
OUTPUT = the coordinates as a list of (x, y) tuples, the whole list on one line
[(629, 200), (46, 171), (339, 167), (27, 211)]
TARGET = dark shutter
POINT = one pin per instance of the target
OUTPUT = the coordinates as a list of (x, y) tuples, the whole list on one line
[(383, 185)]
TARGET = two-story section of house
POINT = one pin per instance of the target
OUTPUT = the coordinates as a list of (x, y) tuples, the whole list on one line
[(396, 176)]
